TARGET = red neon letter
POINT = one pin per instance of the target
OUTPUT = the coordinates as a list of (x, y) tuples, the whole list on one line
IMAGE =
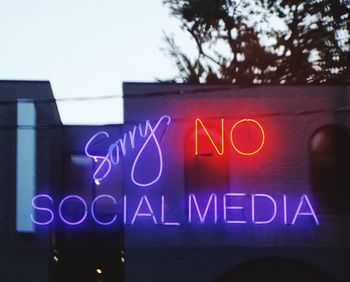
[(220, 152), (259, 146)]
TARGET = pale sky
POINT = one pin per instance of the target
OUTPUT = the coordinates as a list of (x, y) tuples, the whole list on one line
[(87, 48)]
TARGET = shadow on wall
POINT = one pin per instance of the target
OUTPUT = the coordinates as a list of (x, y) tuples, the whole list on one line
[(275, 270)]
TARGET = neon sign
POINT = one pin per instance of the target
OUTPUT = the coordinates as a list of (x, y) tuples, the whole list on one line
[(93, 214), (220, 152), (229, 208), (112, 157), (148, 133), (200, 210), (240, 136), (248, 123)]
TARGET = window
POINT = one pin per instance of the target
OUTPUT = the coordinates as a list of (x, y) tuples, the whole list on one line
[(329, 157), (207, 171)]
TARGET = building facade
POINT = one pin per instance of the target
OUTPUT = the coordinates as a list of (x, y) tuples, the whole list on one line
[(200, 183)]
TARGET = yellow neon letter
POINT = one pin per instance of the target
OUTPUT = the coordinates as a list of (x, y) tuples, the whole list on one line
[(262, 137), (211, 140)]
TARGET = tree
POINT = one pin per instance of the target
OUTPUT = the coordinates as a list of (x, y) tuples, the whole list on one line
[(238, 41)]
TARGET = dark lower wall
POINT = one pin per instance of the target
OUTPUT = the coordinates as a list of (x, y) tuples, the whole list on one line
[(212, 264)]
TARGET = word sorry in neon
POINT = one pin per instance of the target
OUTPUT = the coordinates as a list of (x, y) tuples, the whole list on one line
[(262, 209), (240, 136), (112, 157)]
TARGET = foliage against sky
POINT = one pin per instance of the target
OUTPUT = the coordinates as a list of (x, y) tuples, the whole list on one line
[(263, 41)]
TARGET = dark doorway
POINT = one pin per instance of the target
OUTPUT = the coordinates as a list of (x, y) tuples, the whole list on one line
[(85, 252)]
